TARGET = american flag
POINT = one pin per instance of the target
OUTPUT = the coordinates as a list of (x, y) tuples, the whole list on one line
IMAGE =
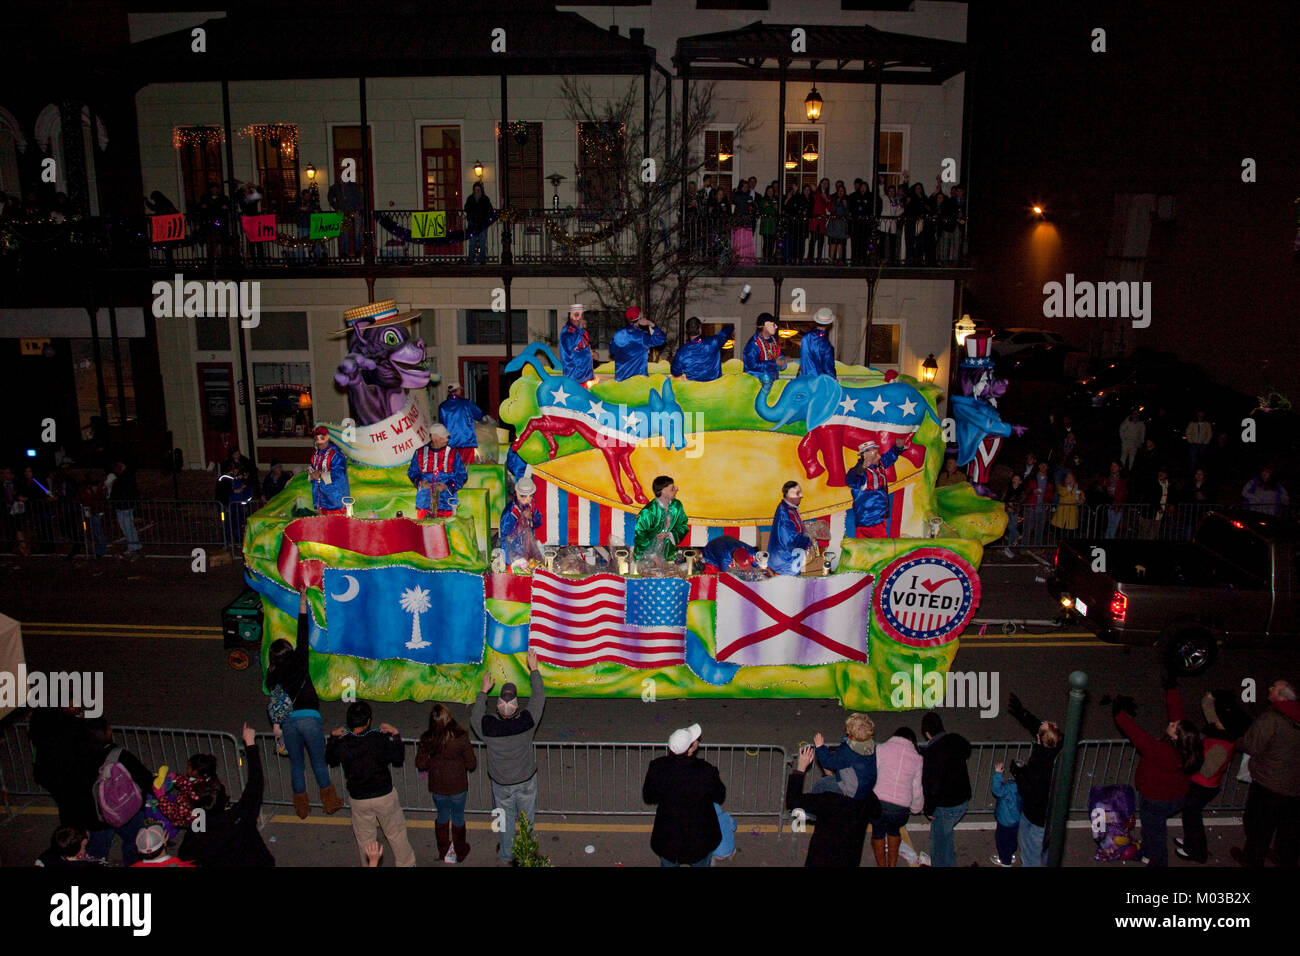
[(637, 623)]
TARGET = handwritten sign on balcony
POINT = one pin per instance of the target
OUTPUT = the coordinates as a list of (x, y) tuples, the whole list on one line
[(326, 225), (168, 228), (259, 228), (428, 225)]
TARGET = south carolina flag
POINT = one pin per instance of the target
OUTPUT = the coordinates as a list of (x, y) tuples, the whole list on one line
[(793, 620), (429, 617)]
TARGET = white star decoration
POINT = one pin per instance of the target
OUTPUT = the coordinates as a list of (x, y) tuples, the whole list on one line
[(908, 407), (878, 405), (560, 396), (849, 404), (632, 421), (597, 409)]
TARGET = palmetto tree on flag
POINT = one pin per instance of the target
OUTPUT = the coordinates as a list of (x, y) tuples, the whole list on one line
[(415, 601)]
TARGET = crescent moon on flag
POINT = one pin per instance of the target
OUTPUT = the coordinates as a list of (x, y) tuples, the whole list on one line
[(352, 590)]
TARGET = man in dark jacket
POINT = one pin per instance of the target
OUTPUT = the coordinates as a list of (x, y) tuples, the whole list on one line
[(478, 216), (841, 829), (61, 751), (511, 762), (946, 785), (366, 755), (1034, 781), (123, 493), (229, 837), (1273, 802), (101, 833), (685, 788)]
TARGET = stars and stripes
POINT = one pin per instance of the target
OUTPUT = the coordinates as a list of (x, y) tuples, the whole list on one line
[(579, 622)]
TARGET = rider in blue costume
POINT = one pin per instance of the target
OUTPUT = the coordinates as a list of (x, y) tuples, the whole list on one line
[(700, 357), (575, 347), (631, 345), (787, 532), (816, 354)]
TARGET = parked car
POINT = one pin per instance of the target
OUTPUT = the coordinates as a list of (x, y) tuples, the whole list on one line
[(1234, 582), (1011, 341)]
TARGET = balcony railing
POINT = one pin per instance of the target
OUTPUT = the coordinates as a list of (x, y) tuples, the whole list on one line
[(565, 239)]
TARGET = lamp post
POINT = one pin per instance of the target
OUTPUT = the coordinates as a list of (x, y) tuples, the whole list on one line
[(478, 169), (929, 368)]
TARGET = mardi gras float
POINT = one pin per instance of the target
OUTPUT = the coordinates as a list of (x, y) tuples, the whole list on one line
[(415, 591)]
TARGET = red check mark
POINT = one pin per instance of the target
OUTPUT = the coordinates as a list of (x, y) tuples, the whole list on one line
[(936, 585)]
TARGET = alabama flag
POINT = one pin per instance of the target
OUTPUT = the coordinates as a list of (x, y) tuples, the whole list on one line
[(793, 620)]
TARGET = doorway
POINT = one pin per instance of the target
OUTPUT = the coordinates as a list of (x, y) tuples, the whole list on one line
[(440, 163), (217, 400)]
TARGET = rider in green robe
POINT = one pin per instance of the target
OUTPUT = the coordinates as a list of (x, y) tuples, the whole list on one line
[(664, 516)]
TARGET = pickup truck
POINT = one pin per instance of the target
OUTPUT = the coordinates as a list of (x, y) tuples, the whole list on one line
[(1234, 582)]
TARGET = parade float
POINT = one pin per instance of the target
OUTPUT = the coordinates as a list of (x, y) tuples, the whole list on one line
[(420, 609)]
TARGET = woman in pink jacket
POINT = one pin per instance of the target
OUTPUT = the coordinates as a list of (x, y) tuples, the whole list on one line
[(898, 788)]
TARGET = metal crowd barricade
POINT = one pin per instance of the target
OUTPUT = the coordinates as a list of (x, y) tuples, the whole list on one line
[(596, 778), (1127, 522), (165, 526)]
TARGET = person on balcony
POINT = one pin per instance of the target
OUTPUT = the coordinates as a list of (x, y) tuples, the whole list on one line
[(700, 357), (345, 198), (763, 358), (769, 215), (438, 467), (793, 210), (214, 217), (822, 205), (631, 345), (478, 216), (575, 346), (459, 414), (889, 222), (816, 354), (861, 209), (837, 227)]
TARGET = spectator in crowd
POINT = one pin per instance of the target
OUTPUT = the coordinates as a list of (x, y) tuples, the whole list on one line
[(841, 829), (762, 353), (1034, 782), (214, 217), (1199, 491), (950, 474), (1006, 814), (769, 220), (160, 205), (1013, 499), (1142, 474), (820, 206), (365, 755), (889, 225), (1132, 435), (106, 779), (853, 763), (1069, 501), (1161, 495), (447, 756), (630, 347), (946, 784), (861, 212), (837, 225), (1265, 494), (1114, 491), (916, 214), (899, 788), (1030, 467), (478, 216), (61, 748), (699, 358), (1225, 724), (1273, 802), (798, 208), (230, 835), (744, 211), (288, 676), (1199, 433), (1066, 445), (683, 788), (1039, 495), (727, 824), (952, 225), (511, 762), (275, 480), (68, 850), (151, 845), (123, 493), (1163, 776)]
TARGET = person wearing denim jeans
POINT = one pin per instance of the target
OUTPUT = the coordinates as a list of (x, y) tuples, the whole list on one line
[(1164, 769), (101, 744), (447, 757), (123, 492), (304, 732), (1034, 780), (684, 790), (946, 785), (511, 762)]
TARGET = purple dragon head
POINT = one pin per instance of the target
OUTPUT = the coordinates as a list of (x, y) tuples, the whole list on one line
[(381, 364)]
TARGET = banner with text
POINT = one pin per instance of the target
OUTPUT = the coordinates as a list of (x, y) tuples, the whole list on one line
[(388, 443)]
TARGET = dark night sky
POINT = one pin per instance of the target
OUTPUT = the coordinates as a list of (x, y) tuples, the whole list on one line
[(1184, 92)]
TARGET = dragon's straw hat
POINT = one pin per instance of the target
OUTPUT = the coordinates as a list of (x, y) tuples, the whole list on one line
[(374, 314)]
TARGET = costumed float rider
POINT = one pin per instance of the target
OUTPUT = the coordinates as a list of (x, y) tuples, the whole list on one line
[(700, 357), (725, 552), (328, 474), (787, 533), (661, 525), (459, 414), (437, 465), (763, 358), (631, 345), (522, 522), (576, 355), (816, 354), (868, 482)]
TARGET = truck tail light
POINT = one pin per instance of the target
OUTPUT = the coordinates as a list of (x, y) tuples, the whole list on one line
[(1056, 559), (1118, 607)]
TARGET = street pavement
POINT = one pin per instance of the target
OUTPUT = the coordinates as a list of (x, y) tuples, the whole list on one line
[(152, 627)]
